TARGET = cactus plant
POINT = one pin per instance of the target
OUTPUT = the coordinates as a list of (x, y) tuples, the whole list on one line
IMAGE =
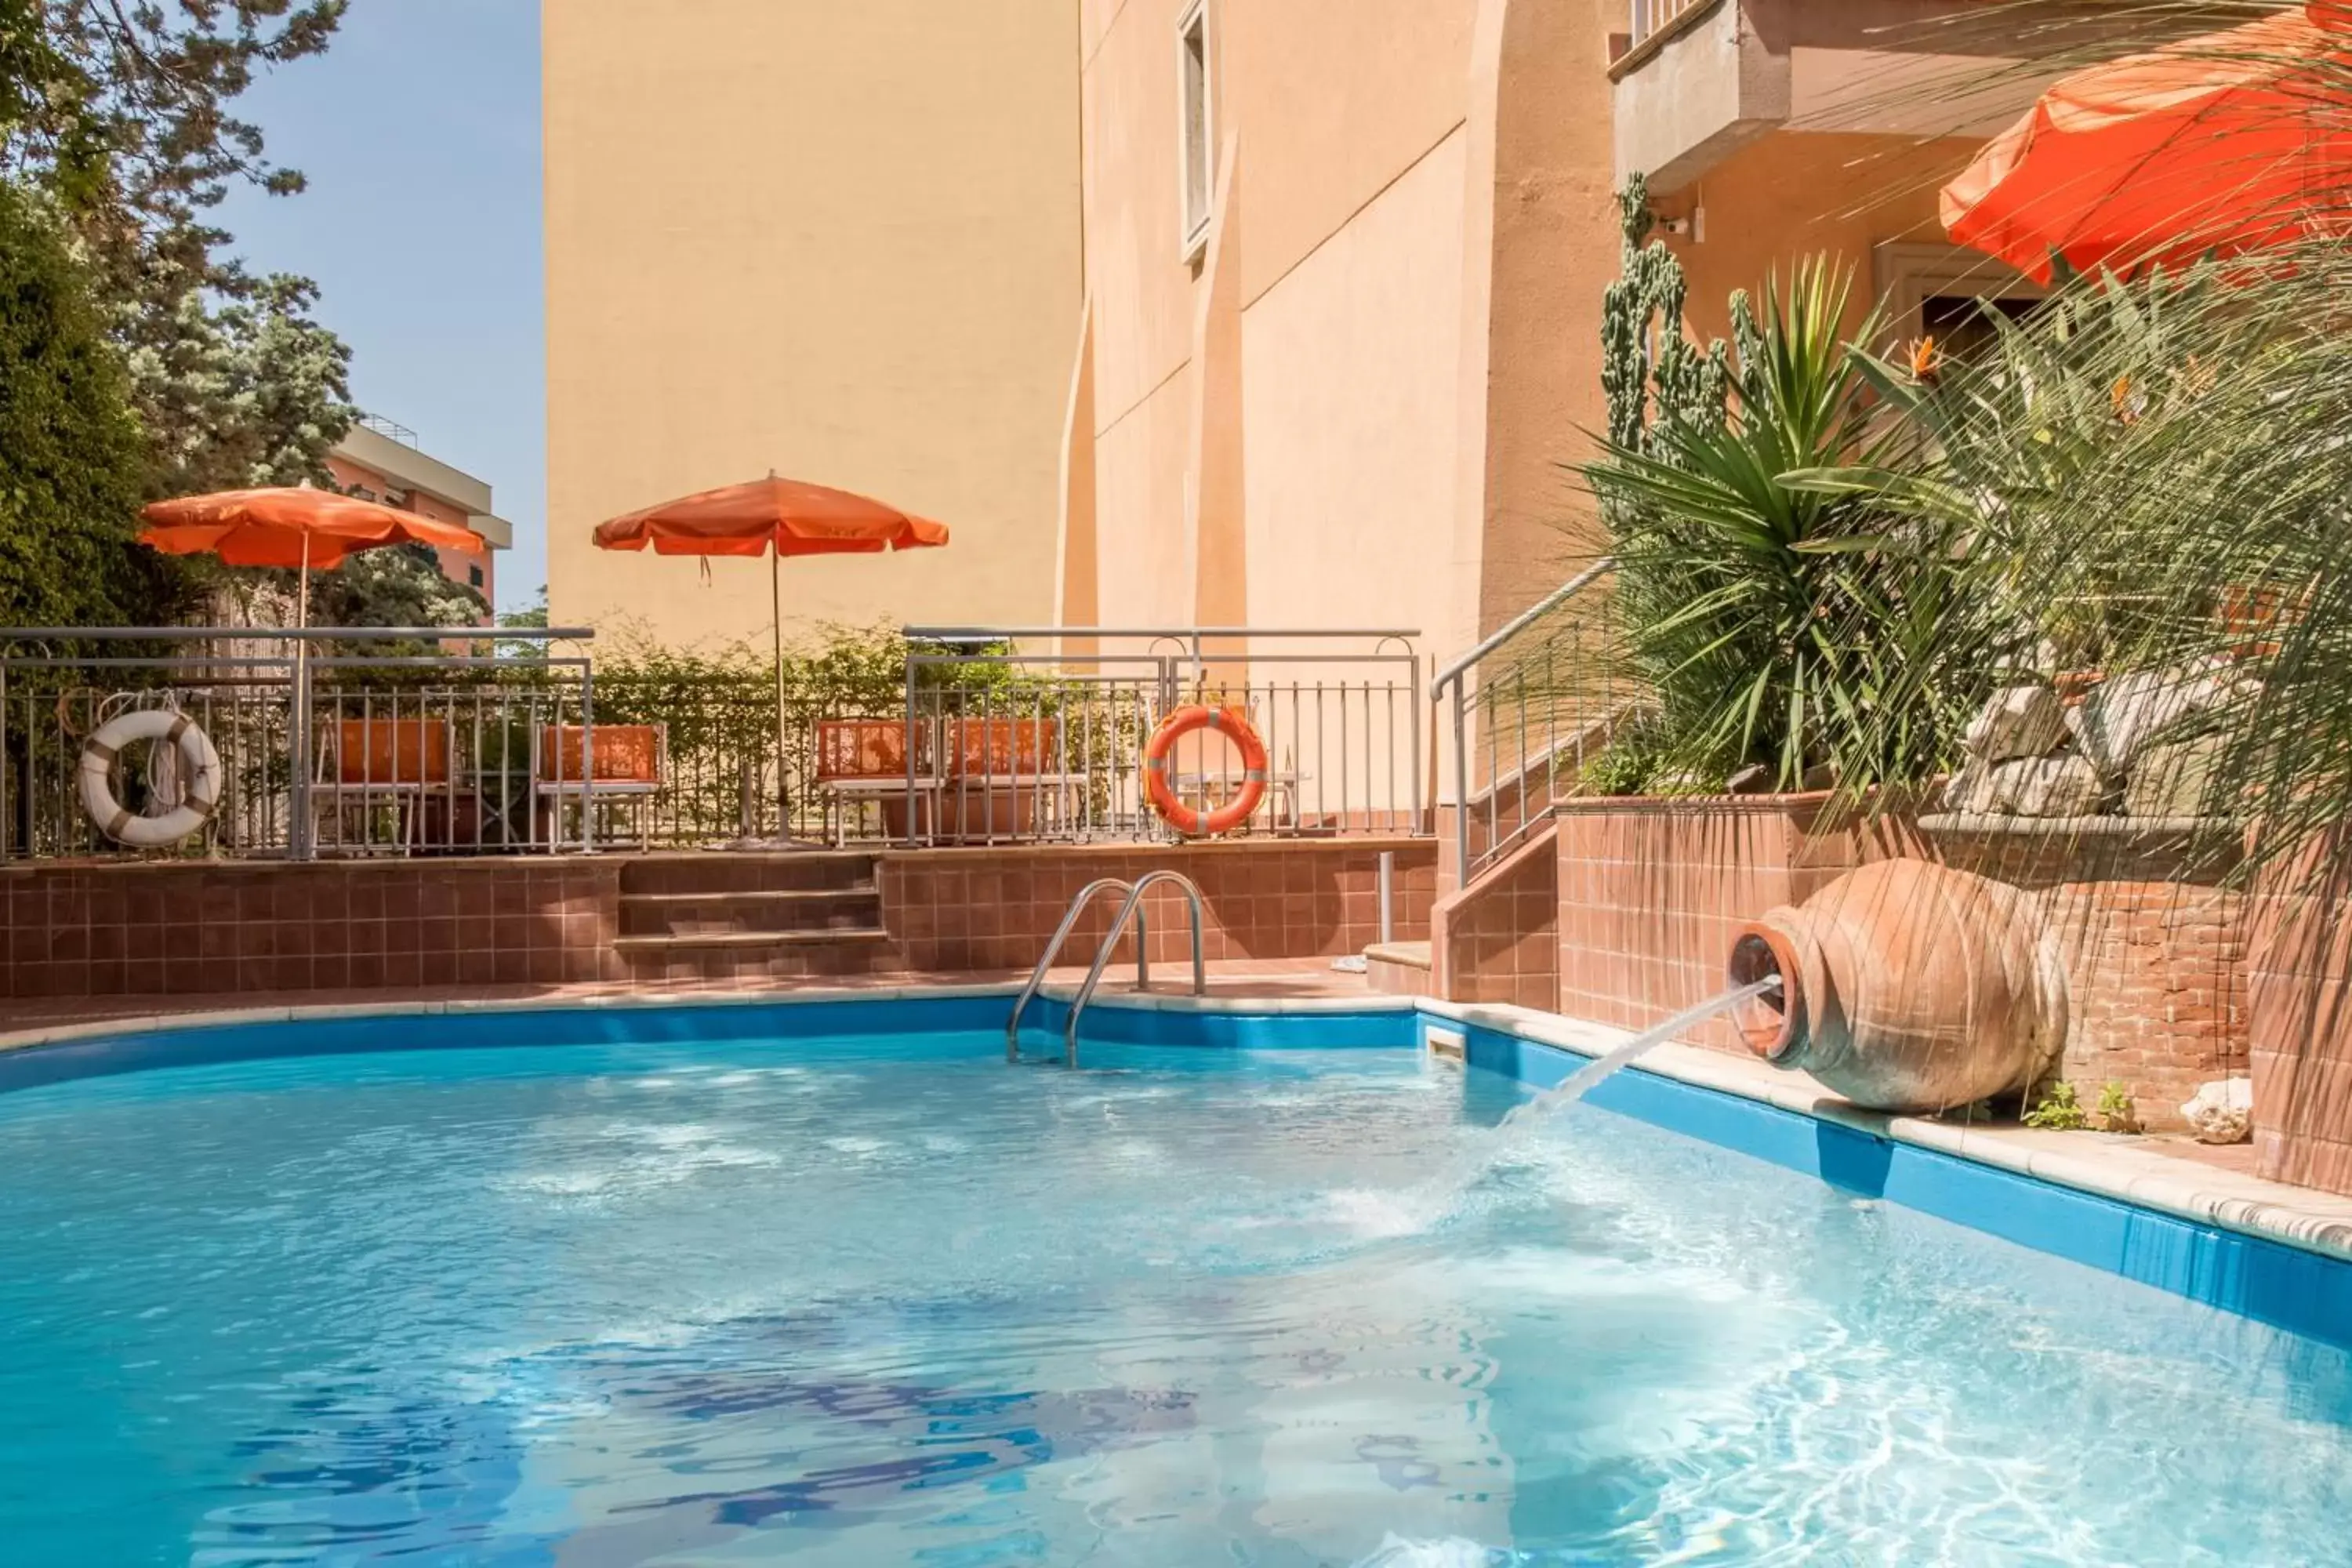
[(1649, 368)]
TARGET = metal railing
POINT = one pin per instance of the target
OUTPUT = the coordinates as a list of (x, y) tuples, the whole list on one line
[(391, 430), (1646, 19), (1007, 747), (329, 751), (1528, 708), (1132, 909), (337, 741), (1070, 917)]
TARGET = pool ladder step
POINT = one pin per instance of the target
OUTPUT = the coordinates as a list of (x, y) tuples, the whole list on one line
[(1130, 908)]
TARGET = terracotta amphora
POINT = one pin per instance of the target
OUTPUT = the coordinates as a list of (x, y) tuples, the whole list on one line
[(1905, 987)]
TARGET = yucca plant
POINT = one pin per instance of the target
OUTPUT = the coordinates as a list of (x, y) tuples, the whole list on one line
[(1786, 617)]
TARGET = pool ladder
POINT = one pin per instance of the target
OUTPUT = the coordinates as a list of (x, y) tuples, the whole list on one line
[(1130, 909)]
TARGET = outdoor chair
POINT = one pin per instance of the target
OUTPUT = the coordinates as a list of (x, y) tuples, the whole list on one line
[(370, 764), (1007, 778), (862, 762), (630, 762)]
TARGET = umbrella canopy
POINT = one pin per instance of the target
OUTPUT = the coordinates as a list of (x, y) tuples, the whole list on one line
[(2233, 142), (290, 527), (795, 518)]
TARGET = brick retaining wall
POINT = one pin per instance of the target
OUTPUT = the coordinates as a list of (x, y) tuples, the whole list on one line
[(197, 929), (996, 908), (2152, 941)]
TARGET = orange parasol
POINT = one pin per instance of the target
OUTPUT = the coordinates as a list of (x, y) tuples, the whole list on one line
[(772, 516), (2228, 142), (299, 528), (796, 519)]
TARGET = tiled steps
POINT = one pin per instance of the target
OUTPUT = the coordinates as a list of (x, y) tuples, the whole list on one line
[(738, 917)]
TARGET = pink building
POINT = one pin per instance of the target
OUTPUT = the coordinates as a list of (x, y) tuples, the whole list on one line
[(381, 461)]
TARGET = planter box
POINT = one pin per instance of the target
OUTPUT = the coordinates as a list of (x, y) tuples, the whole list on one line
[(2151, 935), (2299, 1007), (1651, 891)]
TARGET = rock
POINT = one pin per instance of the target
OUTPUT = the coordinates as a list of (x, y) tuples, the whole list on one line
[(1970, 790), (2065, 785), (2172, 779), (2021, 722), (2222, 1112), (2123, 715)]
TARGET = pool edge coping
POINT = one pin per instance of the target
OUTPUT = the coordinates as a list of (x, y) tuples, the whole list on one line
[(136, 1023)]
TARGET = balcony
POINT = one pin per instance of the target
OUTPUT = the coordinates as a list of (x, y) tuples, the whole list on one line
[(1693, 80)]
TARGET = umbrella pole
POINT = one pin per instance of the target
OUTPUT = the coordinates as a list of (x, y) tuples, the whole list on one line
[(301, 824), (776, 624)]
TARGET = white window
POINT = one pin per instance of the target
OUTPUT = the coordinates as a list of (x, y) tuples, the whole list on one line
[(1192, 90)]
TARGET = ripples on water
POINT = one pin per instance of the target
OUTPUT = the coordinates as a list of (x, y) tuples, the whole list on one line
[(866, 1305)]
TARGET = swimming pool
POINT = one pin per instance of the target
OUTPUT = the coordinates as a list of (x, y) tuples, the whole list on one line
[(841, 1286)]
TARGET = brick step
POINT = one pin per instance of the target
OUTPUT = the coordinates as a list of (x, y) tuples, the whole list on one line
[(783, 910), (757, 957), (736, 872), (749, 941)]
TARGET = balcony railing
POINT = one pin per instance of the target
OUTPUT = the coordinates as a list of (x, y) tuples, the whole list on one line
[(295, 746), (1003, 747), (1648, 19)]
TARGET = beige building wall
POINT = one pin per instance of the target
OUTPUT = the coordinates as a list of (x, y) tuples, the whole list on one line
[(840, 241), (1792, 195), (1397, 181)]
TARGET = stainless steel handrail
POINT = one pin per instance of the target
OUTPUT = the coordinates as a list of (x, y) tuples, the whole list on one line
[(1457, 677), (1133, 908), (1053, 948)]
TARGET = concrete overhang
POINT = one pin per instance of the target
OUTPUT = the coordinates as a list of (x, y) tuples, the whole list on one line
[(496, 532), (412, 469), (1728, 71)]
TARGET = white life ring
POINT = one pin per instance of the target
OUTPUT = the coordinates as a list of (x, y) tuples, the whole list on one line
[(199, 783)]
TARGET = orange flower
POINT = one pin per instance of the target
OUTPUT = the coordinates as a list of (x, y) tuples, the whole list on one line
[(2129, 401), (1925, 358)]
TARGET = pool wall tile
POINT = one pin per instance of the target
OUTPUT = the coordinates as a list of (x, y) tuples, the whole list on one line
[(2285, 1286)]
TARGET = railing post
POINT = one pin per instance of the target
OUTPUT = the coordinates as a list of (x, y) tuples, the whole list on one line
[(1461, 784), (7, 818), (909, 750), (1388, 894), (588, 758), (301, 845)]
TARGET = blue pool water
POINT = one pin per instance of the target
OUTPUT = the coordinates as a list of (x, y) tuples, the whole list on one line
[(890, 1301)]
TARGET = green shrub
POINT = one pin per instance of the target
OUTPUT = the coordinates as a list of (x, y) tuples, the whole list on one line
[(2059, 1110), (1782, 612)]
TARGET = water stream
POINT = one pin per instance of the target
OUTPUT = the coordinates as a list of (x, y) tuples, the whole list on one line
[(1589, 1077), (1442, 1193)]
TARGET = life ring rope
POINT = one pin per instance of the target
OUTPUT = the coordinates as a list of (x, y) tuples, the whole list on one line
[(1159, 783), (200, 791)]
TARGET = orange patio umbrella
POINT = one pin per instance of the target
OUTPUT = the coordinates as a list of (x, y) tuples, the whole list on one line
[(2228, 142), (297, 527), (772, 516)]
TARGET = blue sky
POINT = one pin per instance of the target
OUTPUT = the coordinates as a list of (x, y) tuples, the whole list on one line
[(419, 131)]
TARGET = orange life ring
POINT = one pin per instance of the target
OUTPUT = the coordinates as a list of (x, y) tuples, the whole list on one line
[(1161, 790)]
